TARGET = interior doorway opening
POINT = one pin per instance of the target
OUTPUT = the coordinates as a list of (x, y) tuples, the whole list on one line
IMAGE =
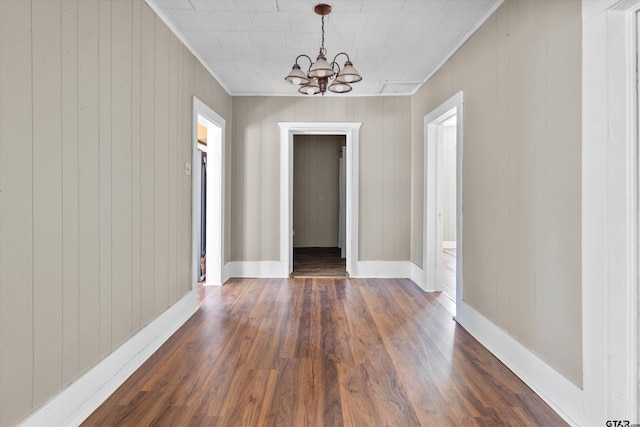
[(443, 222), (350, 130), (207, 170), (447, 154), (319, 205)]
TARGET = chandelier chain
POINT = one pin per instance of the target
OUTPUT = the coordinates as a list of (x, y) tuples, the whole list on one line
[(323, 32)]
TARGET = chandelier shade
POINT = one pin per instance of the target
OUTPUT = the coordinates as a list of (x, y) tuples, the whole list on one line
[(339, 87), (322, 74), (348, 74), (310, 88), (321, 68), (296, 76)]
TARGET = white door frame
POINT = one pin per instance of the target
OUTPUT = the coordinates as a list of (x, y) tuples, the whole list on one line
[(610, 210), (351, 132), (215, 194), (432, 229)]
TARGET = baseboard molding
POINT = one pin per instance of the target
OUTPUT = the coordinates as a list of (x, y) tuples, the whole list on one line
[(381, 269), (449, 244), (417, 275), (77, 401), (259, 269), (561, 394)]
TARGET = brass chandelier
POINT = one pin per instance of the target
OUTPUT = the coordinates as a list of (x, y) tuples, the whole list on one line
[(316, 79)]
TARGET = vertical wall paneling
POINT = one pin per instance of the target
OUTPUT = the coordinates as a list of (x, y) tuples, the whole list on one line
[(161, 147), (47, 199), (503, 162), (16, 250), (405, 128), (527, 71), (565, 283), (172, 166), (105, 159), (181, 137), (70, 192), (147, 161), (188, 80), (88, 184), (542, 148), (513, 291), (136, 54), (390, 152), (121, 167)]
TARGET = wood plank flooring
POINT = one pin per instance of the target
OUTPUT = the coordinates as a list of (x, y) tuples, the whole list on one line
[(322, 352), (318, 262), (448, 274)]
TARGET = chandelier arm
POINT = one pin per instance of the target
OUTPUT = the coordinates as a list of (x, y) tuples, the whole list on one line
[(334, 69), (341, 53), (305, 56)]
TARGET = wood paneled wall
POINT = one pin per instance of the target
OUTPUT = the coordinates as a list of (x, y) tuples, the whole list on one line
[(95, 209), (384, 181), (521, 77), (316, 189)]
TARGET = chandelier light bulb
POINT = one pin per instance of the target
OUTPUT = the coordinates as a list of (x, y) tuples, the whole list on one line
[(310, 91), (296, 81), (322, 73), (348, 79), (339, 88)]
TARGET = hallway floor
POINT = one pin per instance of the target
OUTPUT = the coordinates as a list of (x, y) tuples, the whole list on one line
[(322, 352)]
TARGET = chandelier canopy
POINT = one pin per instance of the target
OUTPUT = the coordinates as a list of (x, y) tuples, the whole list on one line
[(316, 79)]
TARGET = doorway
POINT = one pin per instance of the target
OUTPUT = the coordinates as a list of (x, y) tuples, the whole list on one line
[(351, 133), (319, 213), (207, 195), (443, 223)]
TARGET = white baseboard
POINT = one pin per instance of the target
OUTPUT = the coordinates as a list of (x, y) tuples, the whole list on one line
[(260, 269), (381, 269), (449, 244), (417, 275), (77, 401), (561, 394)]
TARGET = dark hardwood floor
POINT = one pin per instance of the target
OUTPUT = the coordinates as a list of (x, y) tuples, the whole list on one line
[(322, 352), (318, 262)]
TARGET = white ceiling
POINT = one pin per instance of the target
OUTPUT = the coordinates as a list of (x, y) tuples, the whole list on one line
[(250, 45)]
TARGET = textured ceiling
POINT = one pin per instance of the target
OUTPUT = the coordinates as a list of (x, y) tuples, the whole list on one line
[(250, 45)]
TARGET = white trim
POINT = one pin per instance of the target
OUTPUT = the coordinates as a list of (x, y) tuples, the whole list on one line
[(417, 275), (215, 192), (609, 211), (77, 401), (169, 23), (559, 393), (432, 229), (351, 131), (449, 244), (382, 269), (259, 269)]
